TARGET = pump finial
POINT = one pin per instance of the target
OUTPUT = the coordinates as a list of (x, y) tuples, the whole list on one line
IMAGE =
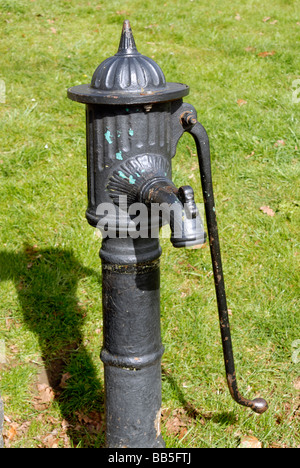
[(127, 42)]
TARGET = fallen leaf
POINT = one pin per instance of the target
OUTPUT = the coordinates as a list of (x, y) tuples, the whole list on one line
[(51, 440), (267, 54), (280, 143), (238, 17), (12, 432), (274, 22), (297, 384), (53, 30), (250, 442), (46, 395), (93, 422), (176, 421), (250, 49), (267, 210), (242, 102), (266, 19), (64, 379), (249, 155)]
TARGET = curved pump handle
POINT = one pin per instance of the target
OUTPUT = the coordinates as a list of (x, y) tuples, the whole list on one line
[(191, 125)]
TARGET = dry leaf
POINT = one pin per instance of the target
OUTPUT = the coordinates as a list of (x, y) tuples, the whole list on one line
[(279, 143), (267, 54), (267, 210), (51, 440), (250, 49), (249, 155), (93, 422), (266, 19), (241, 102), (53, 30), (297, 384), (64, 379), (238, 17), (46, 393), (274, 22), (177, 421), (12, 432), (250, 442)]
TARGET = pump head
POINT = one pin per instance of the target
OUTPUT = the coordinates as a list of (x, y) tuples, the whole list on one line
[(135, 119)]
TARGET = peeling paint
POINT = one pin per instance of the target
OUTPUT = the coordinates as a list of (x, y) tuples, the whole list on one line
[(131, 132), (121, 174), (107, 135), (132, 180), (119, 156)]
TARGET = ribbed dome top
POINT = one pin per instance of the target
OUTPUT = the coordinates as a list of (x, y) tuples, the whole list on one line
[(128, 70), (128, 77)]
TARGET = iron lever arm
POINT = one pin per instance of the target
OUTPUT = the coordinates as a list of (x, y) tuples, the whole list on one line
[(190, 123)]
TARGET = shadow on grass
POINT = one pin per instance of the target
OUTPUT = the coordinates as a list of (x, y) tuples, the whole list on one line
[(46, 282), (222, 418)]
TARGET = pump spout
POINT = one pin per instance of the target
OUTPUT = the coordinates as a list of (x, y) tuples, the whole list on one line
[(178, 208), (145, 180)]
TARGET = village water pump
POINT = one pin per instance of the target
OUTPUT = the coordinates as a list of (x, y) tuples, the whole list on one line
[(134, 121)]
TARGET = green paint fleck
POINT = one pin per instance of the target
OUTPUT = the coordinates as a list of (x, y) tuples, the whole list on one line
[(119, 156), (131, 180), (108, 137), (131, 132), (138, 175), (121, 174)]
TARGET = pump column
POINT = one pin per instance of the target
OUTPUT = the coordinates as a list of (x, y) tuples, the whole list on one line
[(132, 347)]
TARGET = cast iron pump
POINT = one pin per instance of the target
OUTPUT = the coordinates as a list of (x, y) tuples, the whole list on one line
[(134, 121)]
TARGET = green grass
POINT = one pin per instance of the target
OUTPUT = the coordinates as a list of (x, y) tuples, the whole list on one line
[(49, 266)]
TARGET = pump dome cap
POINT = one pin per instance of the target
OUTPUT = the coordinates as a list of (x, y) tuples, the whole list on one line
[(128, 77)]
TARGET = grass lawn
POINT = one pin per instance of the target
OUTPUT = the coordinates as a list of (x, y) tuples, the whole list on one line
[(241, 61)]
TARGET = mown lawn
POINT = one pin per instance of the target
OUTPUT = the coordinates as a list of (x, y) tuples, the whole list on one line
[(241, 61)]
